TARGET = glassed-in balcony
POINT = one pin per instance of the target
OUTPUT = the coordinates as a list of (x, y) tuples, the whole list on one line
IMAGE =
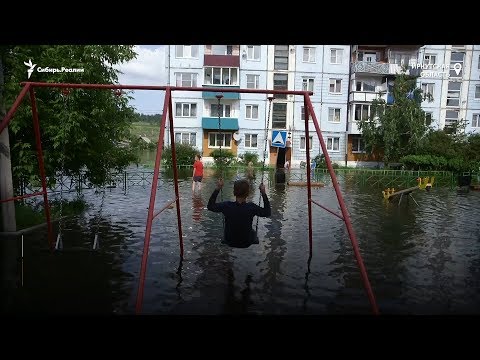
[(222, 55)]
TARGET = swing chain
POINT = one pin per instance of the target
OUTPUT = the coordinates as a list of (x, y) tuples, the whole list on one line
[(59, 244), (270, 98), (219, 106)]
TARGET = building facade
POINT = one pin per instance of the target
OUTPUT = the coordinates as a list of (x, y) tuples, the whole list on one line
[(344, 78)]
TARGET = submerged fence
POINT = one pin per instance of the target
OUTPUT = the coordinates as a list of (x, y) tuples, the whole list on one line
[(361, 177)]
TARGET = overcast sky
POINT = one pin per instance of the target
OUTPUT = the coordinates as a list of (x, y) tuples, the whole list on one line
[(147, 69)]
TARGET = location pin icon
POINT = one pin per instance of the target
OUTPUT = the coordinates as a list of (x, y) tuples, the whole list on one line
[(457, 67)]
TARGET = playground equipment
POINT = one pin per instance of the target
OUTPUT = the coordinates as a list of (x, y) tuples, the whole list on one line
[(423, 184), (29, 87)]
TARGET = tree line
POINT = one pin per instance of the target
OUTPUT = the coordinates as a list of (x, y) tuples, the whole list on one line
[(152, 119)]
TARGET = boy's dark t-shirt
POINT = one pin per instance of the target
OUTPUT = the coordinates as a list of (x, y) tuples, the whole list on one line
[(239, 218)]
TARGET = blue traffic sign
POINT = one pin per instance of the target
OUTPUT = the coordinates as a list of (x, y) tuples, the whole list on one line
[(279, 138)]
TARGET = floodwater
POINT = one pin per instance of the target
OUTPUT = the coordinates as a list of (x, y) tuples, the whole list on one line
[(421, 259)]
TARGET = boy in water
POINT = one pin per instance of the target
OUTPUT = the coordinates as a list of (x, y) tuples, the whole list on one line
[(239, 214)]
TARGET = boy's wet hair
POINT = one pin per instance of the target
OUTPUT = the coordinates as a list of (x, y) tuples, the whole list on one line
[(241, 188), (199, 156)]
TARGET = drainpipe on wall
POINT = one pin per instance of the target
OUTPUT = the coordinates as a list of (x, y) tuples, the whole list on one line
[(348, 100)]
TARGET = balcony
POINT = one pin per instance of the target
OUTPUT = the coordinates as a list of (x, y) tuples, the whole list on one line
[(363, 96), (211, 123), (379, 68), (222, 55), (226, 95), (370, 67)]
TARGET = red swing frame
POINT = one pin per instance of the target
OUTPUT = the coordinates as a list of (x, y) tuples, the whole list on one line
[(168, 109)]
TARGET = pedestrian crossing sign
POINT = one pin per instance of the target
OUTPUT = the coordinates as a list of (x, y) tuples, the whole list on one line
[(279, 138)]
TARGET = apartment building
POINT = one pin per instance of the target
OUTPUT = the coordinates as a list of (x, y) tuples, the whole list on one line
[(372, 75), (451, 74), (345, 80), (322, 69)]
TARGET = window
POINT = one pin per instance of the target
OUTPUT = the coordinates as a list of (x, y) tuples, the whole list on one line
[(453, 95), (186, 79), (281, 57), (365, 85), (303, 142), (186, 51), (333, 143), (279, 116), (428, 118), (367, 56), (358, 145), (336, 56), (335, 86), (427, 88), (224, 110), (215, 140), (253, 52), (429, 59), (400, 58), (456, 58), (477, 91), (185, 110), (451, 117), (476, 120), (334, 115), (222, 49), (253, 81), (251, 140), (221, 76), (478, 65), (302, 114), (280, 82), (362, 112), (251, 112), (308, 54), (186, 138), (307, 84)]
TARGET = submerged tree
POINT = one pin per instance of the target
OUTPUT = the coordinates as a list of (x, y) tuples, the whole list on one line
[(81, 130), (396, 130)]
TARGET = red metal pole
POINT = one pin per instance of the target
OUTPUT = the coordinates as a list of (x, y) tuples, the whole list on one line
[(309, 189), (151, 208), (164, 208), (175, 176), (327, 209), (172, 88), (38, 141), (22, 197), (13, 109), (343, 207)]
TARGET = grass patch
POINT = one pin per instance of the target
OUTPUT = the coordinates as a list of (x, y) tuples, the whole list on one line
[(145, 129), (30, 215)]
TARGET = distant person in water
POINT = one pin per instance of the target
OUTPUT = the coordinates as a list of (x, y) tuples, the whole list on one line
[(239, 214), (197, 173)]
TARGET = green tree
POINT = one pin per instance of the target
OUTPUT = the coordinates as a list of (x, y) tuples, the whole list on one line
[(185, 154), (80, 131), (396, 130)]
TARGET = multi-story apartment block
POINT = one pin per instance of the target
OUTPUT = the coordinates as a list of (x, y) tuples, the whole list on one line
[(321, 69), (372, 74), (345, 80), (455, 89)]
